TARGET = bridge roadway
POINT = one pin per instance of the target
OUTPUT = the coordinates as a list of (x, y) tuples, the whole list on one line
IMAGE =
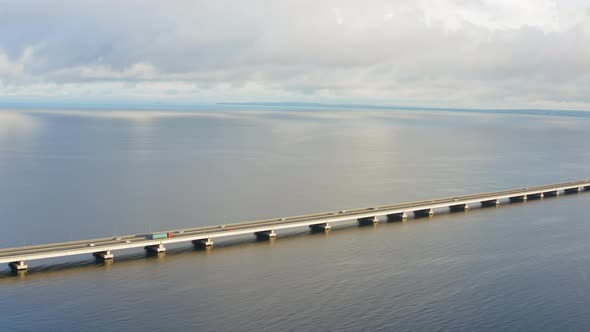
[(202, 236)]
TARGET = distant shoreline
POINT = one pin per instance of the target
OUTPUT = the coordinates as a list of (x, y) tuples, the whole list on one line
[(284, 106), (521, 111)]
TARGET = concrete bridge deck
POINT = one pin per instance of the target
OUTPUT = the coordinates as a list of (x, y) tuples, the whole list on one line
[(102, 248)]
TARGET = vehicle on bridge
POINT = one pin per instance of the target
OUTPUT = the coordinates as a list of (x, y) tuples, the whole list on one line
[(156, 236)]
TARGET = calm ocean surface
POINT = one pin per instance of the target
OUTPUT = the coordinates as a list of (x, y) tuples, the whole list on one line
[(84, 174)]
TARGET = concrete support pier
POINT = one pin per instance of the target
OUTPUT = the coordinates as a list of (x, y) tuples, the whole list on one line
[(552, 193), (490, 203), (320, 227), (103, 255), (536, 196), (203, 243), (572, 190), (397, 216), (459, 208), (516, 199), (18, 266), (265, 235), (155, 249), (368, 221), (423, 213)]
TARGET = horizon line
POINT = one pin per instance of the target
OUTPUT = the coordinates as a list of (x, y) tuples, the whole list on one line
[(187, 106)]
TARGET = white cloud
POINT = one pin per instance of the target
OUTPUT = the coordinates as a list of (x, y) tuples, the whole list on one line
[(338, 14), (137, 71), (480, 53), (11, 69), (494, 14)]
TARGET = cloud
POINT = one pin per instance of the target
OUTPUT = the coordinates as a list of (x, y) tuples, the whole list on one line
[(137, 71), (15, 68), (480, 53)]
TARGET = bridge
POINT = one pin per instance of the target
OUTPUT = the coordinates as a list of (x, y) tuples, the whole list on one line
[(103, 248)]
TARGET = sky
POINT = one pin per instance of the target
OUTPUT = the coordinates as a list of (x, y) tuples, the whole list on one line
[(445, 53)]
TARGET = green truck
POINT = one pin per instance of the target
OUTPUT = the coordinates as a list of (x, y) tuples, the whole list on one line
[(158, 236)]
